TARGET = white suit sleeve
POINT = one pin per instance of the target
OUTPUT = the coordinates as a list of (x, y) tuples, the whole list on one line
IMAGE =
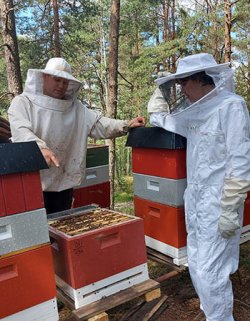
[(160, 116), (105, 127), (237, 181), (157, 103), (21, 123)]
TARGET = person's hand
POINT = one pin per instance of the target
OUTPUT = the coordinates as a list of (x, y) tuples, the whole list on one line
[(50, 157), (136, 122), (228, 224)]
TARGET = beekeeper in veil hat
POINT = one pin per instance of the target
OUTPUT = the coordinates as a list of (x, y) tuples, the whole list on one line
[(50, 113), (215, 122)]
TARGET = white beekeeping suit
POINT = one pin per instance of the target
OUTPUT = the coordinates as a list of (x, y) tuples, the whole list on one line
[(217, 129), (61, 125)]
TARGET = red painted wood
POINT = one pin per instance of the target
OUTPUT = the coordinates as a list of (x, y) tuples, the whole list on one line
[(32, 188), (13, 194), (95, 255), (167, 163), (98, 194), (20, 192), (162, 222), (246, 220), (26, 279)]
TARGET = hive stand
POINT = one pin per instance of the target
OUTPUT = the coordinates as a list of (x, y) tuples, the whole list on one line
[(98, 310)]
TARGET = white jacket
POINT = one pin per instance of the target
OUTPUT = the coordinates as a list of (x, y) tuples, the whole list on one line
[(61, 125)]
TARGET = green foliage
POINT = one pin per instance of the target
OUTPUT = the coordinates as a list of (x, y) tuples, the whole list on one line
[(124, 190)]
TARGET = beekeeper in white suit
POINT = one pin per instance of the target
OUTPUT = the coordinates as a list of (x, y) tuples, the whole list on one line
[(49, 113), (215, 122)]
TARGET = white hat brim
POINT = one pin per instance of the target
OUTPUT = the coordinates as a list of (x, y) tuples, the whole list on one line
[(177, 75), (61, 74)]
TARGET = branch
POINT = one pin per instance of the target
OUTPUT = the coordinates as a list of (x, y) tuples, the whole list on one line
[(131, 85), (6, 94)]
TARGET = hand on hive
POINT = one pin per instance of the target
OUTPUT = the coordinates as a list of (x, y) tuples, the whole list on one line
[(136, 122)]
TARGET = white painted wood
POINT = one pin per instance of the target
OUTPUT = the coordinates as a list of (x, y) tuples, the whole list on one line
[(166, 249), (46, 311), (105, 287)]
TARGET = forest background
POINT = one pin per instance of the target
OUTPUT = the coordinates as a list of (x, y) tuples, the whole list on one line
[(117, 48)]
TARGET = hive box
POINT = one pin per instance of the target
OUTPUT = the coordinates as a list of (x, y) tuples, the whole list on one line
[(26, 280), (20, 185), (159, 162), (98, 194), (95, 188), (97, 155), (246, 220), (162, 190), (164, 226), (98, 253), (245, 236), (95, 175), (45, 311), (22, 231)]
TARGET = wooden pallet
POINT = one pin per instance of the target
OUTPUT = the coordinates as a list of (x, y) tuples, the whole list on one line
[(97, 311), (164, 259)]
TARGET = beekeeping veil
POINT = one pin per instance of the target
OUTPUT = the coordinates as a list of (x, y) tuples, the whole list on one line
[(221, 74), (57, 67)]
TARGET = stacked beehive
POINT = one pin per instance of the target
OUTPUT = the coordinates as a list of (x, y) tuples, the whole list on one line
[(27, 283), (159, 172), (97, 253), (96, 185)]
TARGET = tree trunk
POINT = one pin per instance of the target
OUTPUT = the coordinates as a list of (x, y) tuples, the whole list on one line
[(228, 25), (112, 85), (165, 16), (56, 29), (10, 44)]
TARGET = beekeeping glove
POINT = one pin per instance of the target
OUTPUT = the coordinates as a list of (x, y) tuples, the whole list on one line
[(234, 195), (157, 103)]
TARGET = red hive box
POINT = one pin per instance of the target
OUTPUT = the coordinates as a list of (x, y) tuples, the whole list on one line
[(108, 248), (162, 222), (246, 220), (159, 162), (20, 185), (20, 193), (26, 279), (98, 194)]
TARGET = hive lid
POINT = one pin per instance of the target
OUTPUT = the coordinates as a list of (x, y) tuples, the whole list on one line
[(155, 137), (21, 157)]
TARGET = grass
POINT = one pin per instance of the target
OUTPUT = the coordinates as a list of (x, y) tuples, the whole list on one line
[(124, 190)]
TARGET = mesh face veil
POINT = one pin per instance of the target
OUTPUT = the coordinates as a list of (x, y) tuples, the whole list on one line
[(171, 92), (221, 74)]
